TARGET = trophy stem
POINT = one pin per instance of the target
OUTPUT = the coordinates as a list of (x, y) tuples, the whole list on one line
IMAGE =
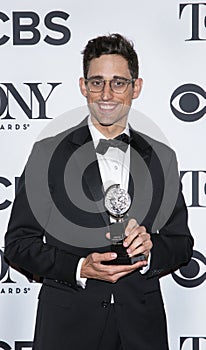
[(119, 219)]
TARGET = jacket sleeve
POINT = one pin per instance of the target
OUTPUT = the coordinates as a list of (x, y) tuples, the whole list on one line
[(25, 238), (172, 242)]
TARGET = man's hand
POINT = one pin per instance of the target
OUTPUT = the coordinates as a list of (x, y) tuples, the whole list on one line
[(137, 241), (93, 268)]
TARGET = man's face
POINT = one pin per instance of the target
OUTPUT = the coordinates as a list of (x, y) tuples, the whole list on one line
[(108, 108)]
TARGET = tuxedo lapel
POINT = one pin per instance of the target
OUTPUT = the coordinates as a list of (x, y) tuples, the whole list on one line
[(140, 158), (147, 176), (140, 182), (86, 161)]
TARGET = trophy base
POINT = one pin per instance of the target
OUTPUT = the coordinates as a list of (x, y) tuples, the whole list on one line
[(125, 260)]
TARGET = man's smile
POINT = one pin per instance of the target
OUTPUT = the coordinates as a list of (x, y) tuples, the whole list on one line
[(107, 106)]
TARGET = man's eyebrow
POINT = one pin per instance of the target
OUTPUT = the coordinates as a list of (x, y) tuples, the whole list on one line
[(120, 77), (96, 77), (114, 77)]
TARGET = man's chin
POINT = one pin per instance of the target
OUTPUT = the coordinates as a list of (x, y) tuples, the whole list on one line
[(105, 124), (104, 121), (109, 122)]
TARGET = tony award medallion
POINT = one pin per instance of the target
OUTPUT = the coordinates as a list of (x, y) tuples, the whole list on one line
[(117, 203)]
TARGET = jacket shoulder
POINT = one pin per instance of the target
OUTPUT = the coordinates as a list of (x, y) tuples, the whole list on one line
[(73, 134)]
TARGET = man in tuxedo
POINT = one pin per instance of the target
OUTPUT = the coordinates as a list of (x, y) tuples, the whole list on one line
[(60, 230)]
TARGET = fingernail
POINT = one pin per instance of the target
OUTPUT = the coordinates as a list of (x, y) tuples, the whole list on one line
[(113, 255)]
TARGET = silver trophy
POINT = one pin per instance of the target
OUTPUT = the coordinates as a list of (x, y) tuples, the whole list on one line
[(117, 202)]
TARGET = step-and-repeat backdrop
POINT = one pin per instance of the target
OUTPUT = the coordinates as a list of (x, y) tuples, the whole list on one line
[(40, 64)]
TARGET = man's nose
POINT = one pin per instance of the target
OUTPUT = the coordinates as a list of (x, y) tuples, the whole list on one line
[(107, 93)]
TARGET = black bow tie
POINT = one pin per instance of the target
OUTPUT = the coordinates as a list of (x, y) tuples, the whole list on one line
[(122, 141)]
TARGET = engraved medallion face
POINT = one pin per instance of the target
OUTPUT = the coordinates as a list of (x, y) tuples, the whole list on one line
[(117, 201)]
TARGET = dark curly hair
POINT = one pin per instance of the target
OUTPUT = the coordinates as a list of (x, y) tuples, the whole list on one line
[(111, 44)]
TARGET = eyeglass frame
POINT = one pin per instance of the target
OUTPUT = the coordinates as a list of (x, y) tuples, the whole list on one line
[(128, 81)]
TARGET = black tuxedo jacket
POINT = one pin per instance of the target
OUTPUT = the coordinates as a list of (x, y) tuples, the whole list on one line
[(58, 216)]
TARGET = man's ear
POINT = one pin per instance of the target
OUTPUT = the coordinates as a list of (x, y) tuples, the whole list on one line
[(137, 87), (82, 86)]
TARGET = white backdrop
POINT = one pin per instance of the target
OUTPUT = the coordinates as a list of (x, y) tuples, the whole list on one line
[(170, 37)]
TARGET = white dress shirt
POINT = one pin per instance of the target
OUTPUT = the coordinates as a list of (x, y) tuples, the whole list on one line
[(114, 165)]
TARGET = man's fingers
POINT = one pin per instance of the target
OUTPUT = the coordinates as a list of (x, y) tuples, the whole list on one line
[(104, 256), (108, 236), (134, 235), (141, 244), (132, 224), (92, 267)]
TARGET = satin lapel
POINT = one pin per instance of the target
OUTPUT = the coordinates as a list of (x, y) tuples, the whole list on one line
[(140, 156), (140, 182), (86, 160)]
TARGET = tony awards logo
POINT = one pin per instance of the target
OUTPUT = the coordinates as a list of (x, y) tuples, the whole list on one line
[(117, 203)]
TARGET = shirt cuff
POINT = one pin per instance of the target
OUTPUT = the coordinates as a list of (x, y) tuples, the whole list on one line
[(144, 269), (81, 281)]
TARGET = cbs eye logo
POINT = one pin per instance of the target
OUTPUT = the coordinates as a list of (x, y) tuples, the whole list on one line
[(193, 274), (188, 102)]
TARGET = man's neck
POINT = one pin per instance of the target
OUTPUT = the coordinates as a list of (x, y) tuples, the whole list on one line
[(109, 131)]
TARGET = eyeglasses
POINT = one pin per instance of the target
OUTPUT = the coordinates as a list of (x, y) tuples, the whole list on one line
[(117, 85)]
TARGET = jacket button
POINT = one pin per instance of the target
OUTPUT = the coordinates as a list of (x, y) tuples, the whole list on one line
[(104, 304)]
